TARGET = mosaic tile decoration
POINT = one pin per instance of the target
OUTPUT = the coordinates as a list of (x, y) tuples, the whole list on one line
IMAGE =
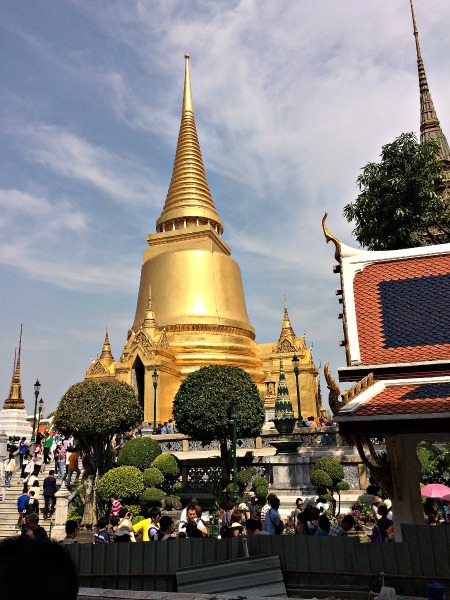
[(402, 310), (408, 399)]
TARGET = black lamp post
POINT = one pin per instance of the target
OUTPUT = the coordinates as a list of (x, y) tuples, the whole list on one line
[(37, 387), (41, 410), (296, 365), (155, 385), (233, 420)]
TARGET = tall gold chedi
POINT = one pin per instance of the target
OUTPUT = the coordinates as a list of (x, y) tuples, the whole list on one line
[(197, 298), (15, 400)]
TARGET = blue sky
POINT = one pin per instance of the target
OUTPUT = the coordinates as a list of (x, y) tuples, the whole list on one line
[(291, 100)]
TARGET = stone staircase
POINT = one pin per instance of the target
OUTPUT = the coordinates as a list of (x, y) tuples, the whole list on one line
[(8, 508)]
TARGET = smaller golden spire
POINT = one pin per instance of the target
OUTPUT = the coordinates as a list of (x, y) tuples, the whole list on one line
[(15, 399), (106, 356), (286, 328), (149, 319), (188, 105)]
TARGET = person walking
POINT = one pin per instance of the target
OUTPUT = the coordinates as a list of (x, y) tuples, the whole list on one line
[(60, 459), (72, 467), (31, 505), (21, 501), (49, 490), (48, 443), (23, 447), (8, 470), (272, 522), (38, 459)]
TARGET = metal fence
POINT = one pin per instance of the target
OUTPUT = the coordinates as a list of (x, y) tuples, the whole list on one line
[(326, 564)]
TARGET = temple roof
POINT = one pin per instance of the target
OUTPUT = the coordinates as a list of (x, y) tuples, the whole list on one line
[(423, 403), (189, 195), (429, 123)]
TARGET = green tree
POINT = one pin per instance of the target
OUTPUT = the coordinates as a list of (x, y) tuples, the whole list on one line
[(139, 452), (328, 477), (202, 406), (93, 412), (398, 206)]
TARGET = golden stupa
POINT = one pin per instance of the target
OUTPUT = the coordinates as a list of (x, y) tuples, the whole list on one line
[(191, 309)]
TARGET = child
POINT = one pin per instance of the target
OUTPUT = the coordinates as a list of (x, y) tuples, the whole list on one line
[(101, 535)]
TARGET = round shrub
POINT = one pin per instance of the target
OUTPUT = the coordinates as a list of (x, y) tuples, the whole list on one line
[(125, 482), (139, 452), (244, 476), (134, 509), (331, 466), (167, 464), (153, 477), (177, 487), (261, 493), (259, 481), (342, 486), (137, 519), (320, 479), (153, 496)]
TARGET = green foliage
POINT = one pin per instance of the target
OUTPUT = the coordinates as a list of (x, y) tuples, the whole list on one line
[(153, 477), (137, 519), (177, 487), (332, 467), (93, 411), (134, 509), (261, 493), (429, 457), (398, 206), (202, 405), (75, 513), (259, 482), (168, 464), (139, 452), (127, 482), (321, 479), (341, 486), (244, 476), (153, 496)]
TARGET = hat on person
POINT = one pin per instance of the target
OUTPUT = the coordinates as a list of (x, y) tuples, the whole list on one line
[(242, 506), (251, 495), (387, 503), (123, 530), (236, 526)]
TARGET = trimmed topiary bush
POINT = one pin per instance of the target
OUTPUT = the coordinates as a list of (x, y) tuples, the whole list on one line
[(125, 482), (134, 509), (153, 477), (259, 481), (139, 452), (168, 464), (244, 476), (177, 487), (320, 479), (261, 493), (153, 496)]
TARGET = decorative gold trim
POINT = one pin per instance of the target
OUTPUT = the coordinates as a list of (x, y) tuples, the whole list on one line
[(334, 391), (211, 329), (331, 238), (362, 385)]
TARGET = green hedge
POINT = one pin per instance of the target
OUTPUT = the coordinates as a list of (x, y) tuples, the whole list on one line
[(168, 464), (153, 496), (153, 477)]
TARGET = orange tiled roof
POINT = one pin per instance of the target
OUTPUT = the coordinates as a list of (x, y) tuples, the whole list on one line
[(408, 399), (371, 309)]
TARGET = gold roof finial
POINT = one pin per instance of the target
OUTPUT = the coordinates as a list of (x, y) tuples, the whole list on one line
[(286, 328), (189, 197), (429, 123), (331, 238), (149, 319), (15, 399), (106, 348)]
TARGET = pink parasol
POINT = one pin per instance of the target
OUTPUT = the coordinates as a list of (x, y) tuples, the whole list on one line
[(435, 490), (446, 497)]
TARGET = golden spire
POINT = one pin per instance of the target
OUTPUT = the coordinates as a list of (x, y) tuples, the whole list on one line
[(286, 328), (149, 319), (189, 201), (15, 399), (106, 356), (429, 123)]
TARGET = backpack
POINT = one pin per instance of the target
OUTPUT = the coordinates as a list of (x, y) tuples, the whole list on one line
[(154, 528)]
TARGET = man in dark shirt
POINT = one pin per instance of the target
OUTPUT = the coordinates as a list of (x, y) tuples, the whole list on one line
[(32, 528), (49, 491)]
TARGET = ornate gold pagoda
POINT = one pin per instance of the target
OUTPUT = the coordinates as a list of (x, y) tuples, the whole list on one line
[(191, 309)]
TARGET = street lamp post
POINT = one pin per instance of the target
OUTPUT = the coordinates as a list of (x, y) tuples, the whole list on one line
[(41, 410), (233, 419), (155, 385), (37, 387), (296, 365)]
